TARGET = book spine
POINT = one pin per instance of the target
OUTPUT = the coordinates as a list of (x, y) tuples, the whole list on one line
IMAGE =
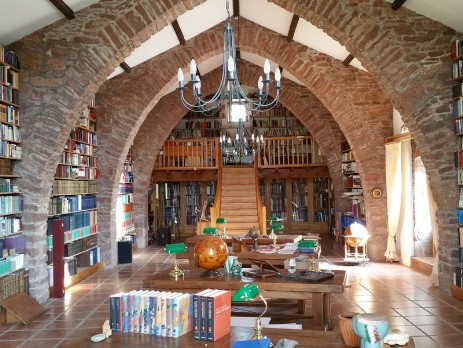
[(210, 319), (112, 313), (203, 317), (196, 331)]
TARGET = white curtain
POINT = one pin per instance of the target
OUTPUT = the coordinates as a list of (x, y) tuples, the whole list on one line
[(394, 192)]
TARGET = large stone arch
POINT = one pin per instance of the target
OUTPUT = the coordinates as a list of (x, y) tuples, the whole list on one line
[(362, 111), (66, 62), (296, 97)]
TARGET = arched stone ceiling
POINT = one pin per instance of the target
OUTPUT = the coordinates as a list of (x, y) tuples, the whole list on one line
[(63, 64)]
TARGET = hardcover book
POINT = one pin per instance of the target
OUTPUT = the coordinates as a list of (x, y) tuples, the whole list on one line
[(197, 312), (218, 315), (181, 315)]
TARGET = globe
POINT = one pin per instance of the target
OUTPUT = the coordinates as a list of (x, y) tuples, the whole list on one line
[(211, 253)]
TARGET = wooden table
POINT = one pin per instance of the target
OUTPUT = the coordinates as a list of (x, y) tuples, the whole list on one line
[(281, 239), (272, 287), (306, 339), (275, 259)]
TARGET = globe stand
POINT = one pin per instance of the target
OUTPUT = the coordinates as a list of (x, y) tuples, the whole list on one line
[(211, 273)]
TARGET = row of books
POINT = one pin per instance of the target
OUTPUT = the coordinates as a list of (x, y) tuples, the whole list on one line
[(284, 132), (10, 150), (9, 57), (282, 122), (457, 107), (457, 91), (9, 225), (9, 114), (347, 156), (458, 276), (457, 69), (124, 198), (358, 209), (80, 245), (70, 172), (195, 133), (125, 188), (350, 167), (9, 94), (77, 159), (84, 149), (71, 236), (320, 216), (16, 242), (126, 177), (10, 132), (7, 186), (159, 313), (10, 204), (8, 265), (83, 135), (352, 181), (9, 77), (70, 269), (70, 204), (14, 283), (202, 124), (456, 49), (69, 187), (74, 221)]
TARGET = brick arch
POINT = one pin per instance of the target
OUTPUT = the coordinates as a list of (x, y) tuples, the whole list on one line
[(362, 111), (307, 108)]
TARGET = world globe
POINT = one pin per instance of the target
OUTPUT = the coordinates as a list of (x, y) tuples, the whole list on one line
[(210, 253)]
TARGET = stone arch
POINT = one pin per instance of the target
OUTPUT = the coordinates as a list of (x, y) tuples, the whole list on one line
[(308, 109)]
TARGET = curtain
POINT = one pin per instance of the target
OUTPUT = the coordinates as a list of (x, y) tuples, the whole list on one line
[(394, 193), (435, 235)]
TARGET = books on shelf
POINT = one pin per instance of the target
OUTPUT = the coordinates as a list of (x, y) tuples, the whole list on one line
[(158, 313)]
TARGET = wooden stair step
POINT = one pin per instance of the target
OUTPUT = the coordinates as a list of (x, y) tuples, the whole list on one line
[(240, 219)]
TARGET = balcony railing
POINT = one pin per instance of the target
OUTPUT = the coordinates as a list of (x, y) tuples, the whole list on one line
[(275, 152), (189, 154)]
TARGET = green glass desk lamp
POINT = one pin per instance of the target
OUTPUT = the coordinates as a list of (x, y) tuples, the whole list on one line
[(176, 249), (210, 230), (251, 292), (275, 227)]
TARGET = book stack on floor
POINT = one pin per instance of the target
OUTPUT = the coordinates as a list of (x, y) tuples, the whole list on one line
[(211, 314), (159, 313)]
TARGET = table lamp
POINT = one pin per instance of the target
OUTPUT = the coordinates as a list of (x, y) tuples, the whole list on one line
[(222, 221), (251, 292), (275, 227), (176, 249)]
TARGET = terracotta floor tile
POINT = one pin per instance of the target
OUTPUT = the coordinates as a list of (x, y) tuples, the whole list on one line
[(42, 343), (451, 341), (412, 311), (425, 319), (425, 342), (440, 329)]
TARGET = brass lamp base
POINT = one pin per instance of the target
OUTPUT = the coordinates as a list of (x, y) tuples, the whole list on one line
[(258, 327), (176, 271)]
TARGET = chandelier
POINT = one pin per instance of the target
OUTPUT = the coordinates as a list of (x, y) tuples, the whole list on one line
[(230, 89)]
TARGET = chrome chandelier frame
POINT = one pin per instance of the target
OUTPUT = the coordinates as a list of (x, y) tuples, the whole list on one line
[(230, 87)]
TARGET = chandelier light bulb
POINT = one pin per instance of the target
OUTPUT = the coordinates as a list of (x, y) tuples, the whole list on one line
[(198, 85), (266, 67), (231, 66), (193, 68), (260, 84), (180, 78)]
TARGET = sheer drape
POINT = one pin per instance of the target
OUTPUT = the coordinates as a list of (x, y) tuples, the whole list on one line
[(394, 192)]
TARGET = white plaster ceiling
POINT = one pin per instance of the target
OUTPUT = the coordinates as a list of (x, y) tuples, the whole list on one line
[(24, 19)]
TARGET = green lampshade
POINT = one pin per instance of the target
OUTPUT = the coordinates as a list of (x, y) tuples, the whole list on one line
[(276, 227), (176, 248), (210, 230), (274, 218), (220, 220), (246, 293)]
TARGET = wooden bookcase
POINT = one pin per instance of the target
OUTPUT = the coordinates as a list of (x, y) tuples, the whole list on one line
[(456, 52), (72, 206), (196, 125), (352, 189), (13, 276), (124, 210)]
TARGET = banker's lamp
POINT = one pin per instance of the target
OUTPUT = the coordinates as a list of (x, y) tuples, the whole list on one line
[(251, 292), (274, 226), (176, 249)]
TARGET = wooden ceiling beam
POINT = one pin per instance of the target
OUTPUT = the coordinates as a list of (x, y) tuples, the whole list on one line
[(348, 60), (178, 32), (64, 8), (292, 28), (126, 67), (236, 9), (397, 4)]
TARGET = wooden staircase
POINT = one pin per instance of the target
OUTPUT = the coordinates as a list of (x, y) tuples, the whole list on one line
[(239, 199)]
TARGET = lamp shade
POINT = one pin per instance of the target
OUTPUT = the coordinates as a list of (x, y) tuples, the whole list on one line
[(276, 227), (220, 220), (176, 248), (246, 293)]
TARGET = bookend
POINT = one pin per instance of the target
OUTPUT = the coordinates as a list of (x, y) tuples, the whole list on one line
[(20, 308)]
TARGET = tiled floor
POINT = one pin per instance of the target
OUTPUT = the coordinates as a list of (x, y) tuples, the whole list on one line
[(433, 318)]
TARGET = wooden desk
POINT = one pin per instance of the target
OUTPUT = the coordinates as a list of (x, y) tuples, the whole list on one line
[(306, 339), (282, 239), (244, 256), (272, 287)]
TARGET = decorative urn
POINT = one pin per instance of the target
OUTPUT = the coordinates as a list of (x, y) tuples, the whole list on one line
[(211, 253)]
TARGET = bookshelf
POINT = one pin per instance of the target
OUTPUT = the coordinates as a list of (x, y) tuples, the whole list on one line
[(73, 218), (193, 202), (352, 189), (13, 276), (277, 198), (125, 221), (456, 105), (195, 125)]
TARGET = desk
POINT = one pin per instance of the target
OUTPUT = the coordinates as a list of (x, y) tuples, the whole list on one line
[(282, 239), (243, 256), (273, 288)]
